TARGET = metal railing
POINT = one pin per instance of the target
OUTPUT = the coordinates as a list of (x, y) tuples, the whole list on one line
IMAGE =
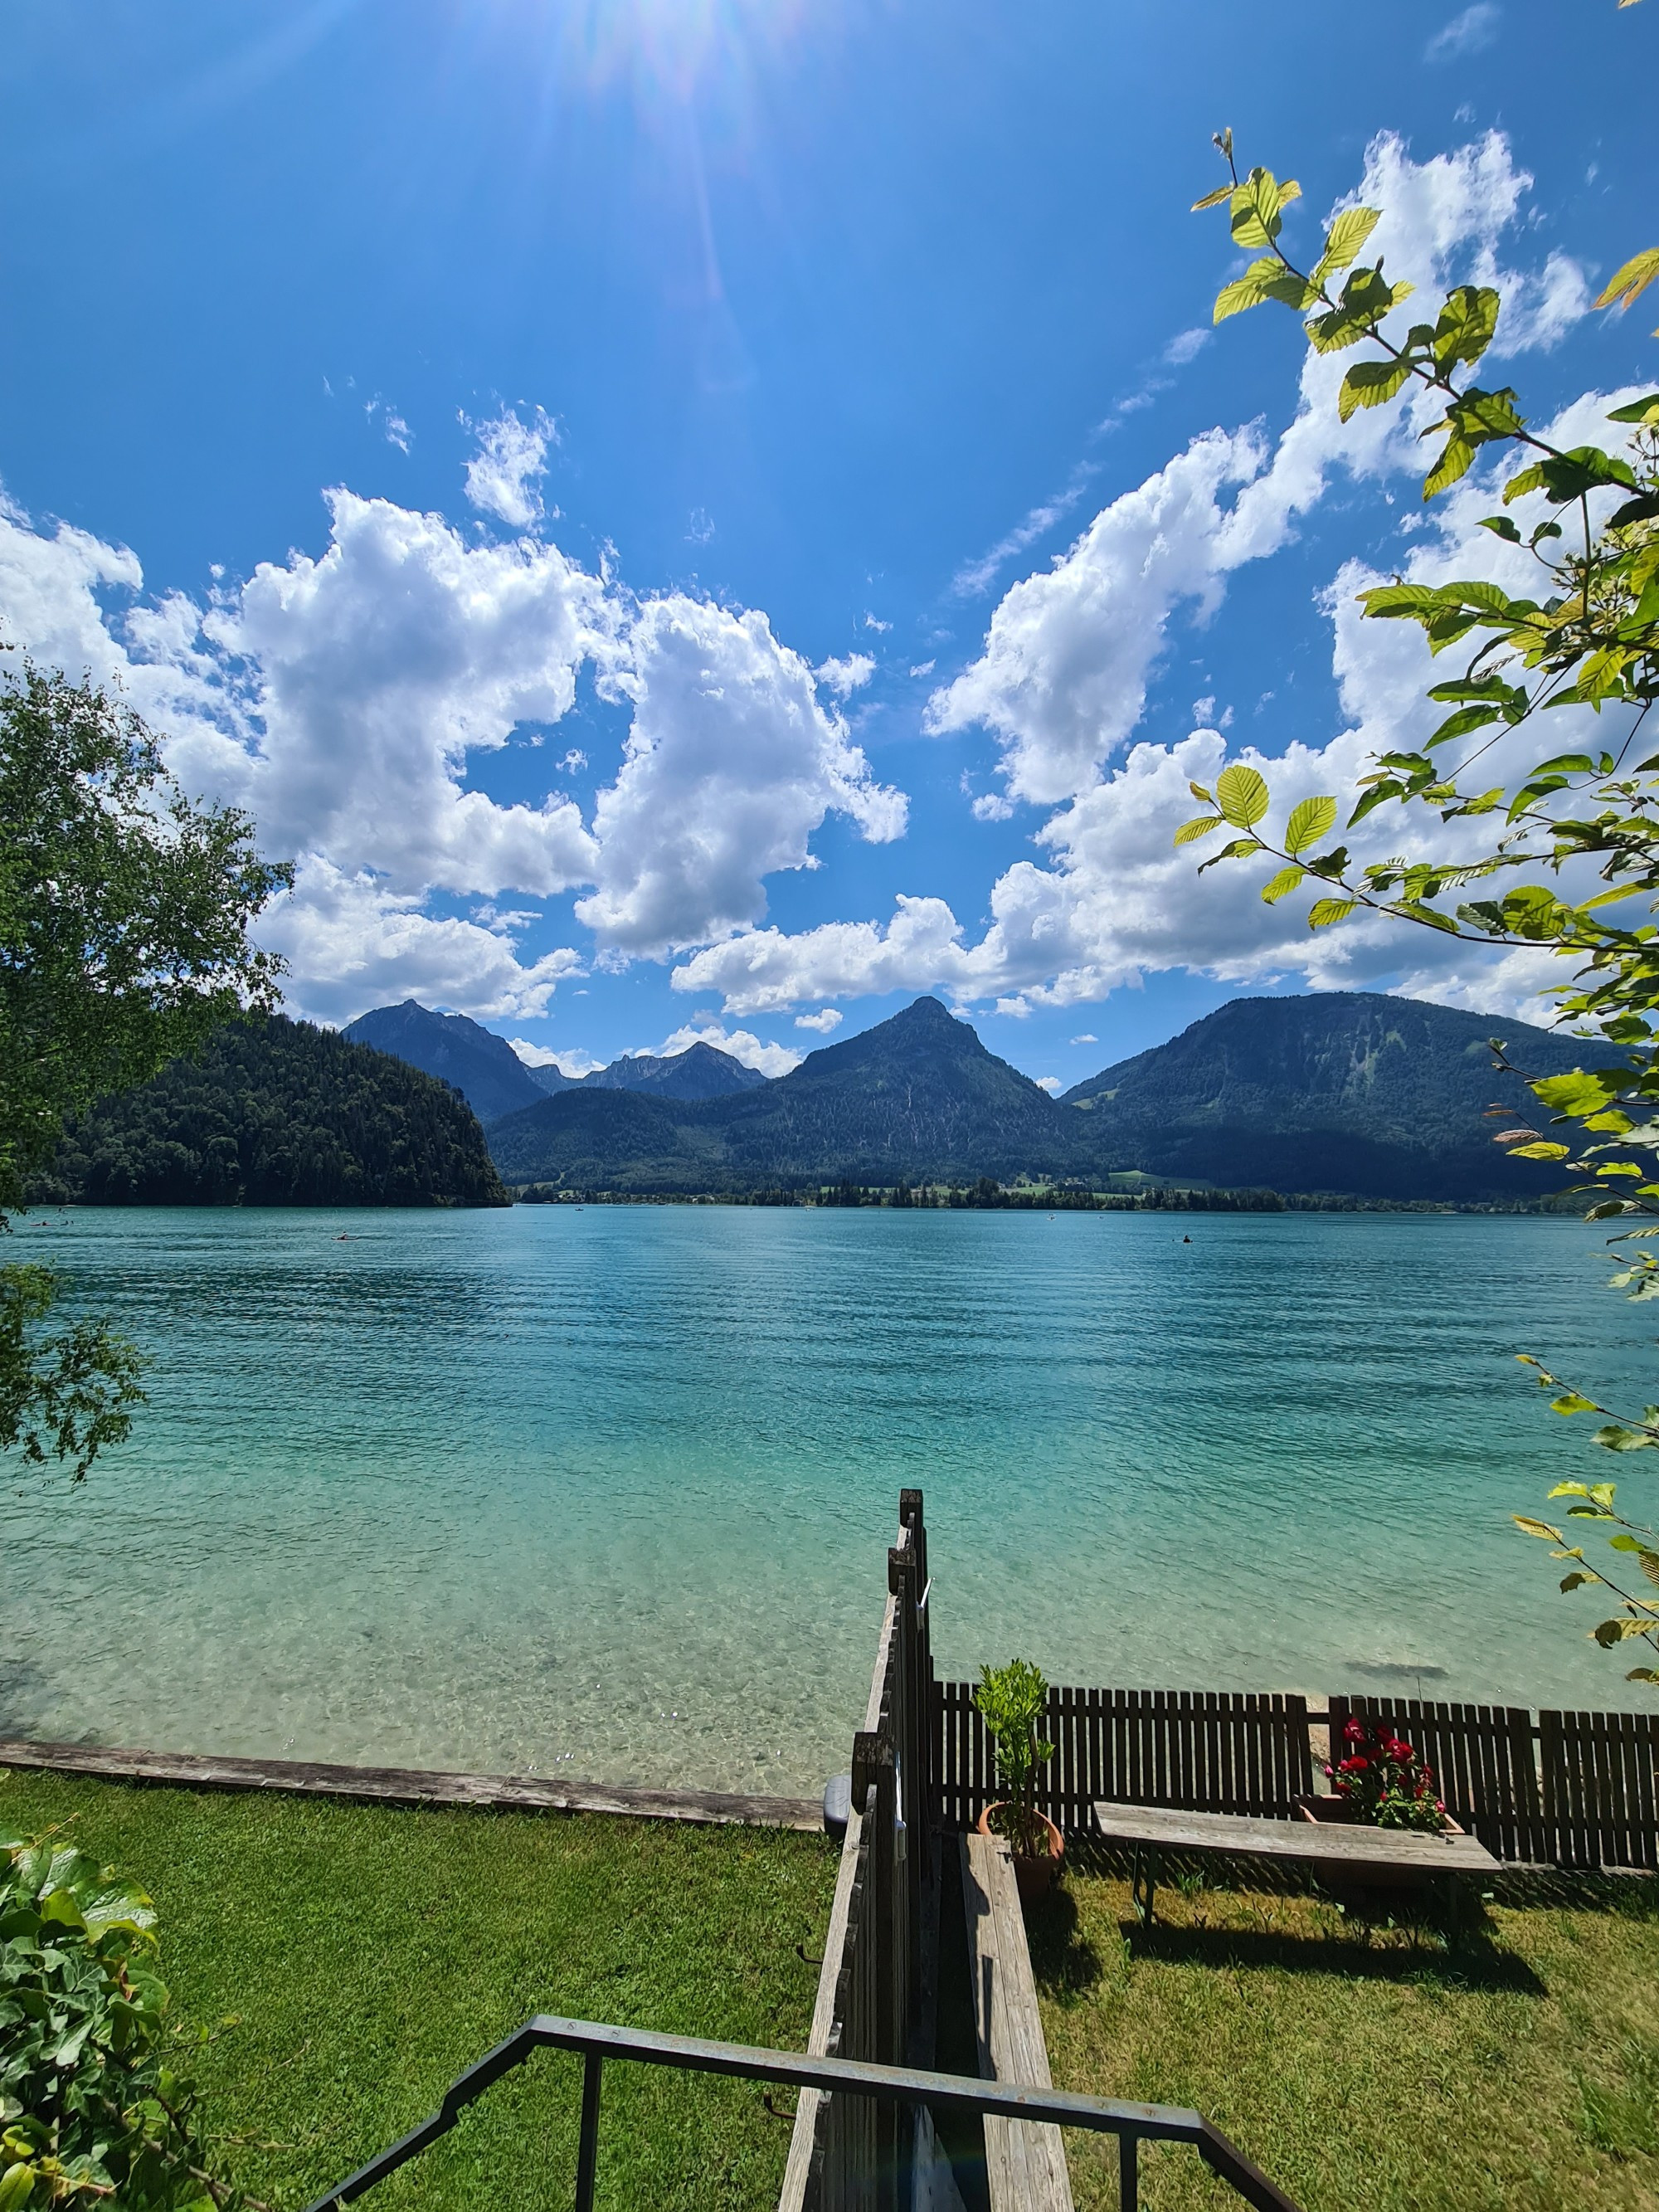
[(1133, 2125)]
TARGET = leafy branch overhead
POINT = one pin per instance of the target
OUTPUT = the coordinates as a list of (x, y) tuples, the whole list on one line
[(1558, 844)]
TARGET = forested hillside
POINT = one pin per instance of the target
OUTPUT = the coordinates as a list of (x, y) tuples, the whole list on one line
[(278, 1113), (1341, 1090)]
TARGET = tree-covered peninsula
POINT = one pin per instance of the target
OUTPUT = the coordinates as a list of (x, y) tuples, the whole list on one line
[(275, 1112)]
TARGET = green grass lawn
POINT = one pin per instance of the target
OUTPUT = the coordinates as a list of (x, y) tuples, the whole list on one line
[(345, 1962), (1366, 2067)]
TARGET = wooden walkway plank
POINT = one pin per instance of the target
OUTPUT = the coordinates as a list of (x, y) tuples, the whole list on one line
[(408, 1785), (1025, 2164)]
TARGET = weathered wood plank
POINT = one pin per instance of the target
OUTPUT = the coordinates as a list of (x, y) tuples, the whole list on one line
[(1310, 1842), (399, 1785), (1026, 2168)]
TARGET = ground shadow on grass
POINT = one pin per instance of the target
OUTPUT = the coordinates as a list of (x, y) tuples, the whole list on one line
[(1632, 1896), (1378, 1936)]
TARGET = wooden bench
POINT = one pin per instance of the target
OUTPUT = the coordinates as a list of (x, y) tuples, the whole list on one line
[(1025, 2167), (1361, 1852)]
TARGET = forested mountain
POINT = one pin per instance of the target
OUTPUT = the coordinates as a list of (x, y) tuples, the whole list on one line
[(277, 1113), (1347, 1093), (1344, 1090), (482, 1066), (917, 1097)]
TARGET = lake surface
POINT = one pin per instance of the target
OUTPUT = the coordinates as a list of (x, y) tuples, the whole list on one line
[(607, 1493)]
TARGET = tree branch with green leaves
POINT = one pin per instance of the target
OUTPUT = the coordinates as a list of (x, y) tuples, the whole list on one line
[(124, 913), (1585, 636)]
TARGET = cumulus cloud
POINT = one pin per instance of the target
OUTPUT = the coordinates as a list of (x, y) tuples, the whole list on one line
[(1112, 899), (511, 460), (846, 676), (731, 763), (346, 698), (382, 666), (768, 1059), (1063, 678), (352, 943), (826, 1020)]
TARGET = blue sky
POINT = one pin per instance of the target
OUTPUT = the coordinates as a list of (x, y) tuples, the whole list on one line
[(659, 353)]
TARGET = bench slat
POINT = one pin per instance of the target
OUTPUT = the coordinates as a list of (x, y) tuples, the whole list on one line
[(1025, 2166), (1315, 1842)]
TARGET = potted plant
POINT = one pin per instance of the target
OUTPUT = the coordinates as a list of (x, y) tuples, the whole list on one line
[(1382, 1781), (1012, 1701)]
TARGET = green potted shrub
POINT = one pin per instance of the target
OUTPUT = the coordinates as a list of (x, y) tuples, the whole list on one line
[(1012, 1701)]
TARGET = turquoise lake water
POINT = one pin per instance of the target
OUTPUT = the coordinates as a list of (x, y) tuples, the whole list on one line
[(607, 1493)]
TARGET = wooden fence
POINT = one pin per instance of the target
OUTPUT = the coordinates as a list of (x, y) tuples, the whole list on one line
[(1570, 1790), (849, 2153)]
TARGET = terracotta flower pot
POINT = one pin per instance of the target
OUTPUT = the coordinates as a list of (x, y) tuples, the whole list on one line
[(1032, 1876), (1339, 1812)]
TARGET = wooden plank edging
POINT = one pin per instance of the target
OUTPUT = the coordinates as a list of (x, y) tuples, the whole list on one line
[(413, 1785)]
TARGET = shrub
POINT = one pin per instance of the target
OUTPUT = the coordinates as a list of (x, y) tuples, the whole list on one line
[(1385, 1781), (1012, 1701), (89, 2110)]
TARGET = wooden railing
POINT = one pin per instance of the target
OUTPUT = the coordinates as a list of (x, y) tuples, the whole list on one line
[(1568, 1790), (853, 2154)]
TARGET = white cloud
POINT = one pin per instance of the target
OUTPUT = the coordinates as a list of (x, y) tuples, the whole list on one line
[(1115, 899), (343, 699), (380, 666), (511, 460), (1186, 346), (847, 676), (352, 944), (1087, 1037), (827, 1019), (768, 1059), (1051, 1084), (765, 971), (1063, 676), (873, 622), (731, 764), (574, 1064), (923, 668), (1468, 34)]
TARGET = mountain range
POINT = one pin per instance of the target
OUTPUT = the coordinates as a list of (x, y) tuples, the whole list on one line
[(493, 1079), (1348, 1093)]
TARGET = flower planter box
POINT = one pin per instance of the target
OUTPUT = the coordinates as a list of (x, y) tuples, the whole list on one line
[(1339, 1812)]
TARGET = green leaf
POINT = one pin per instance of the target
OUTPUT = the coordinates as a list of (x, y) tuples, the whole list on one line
[(1608, 1633), (1571, 1402), (1628, 283), (1576, 1581), (1256, 205), (1241, 795), (1344, 239), (1212, 199), (1640, 410), (1526, 480), (1542, 1149), (1287, 880), (1501, 526), (1541, 1529), (1199, 826), (1310, 820), (1323, 912), (1452, 465), (1617, 1438), (1465, 325), (1369, 384)]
